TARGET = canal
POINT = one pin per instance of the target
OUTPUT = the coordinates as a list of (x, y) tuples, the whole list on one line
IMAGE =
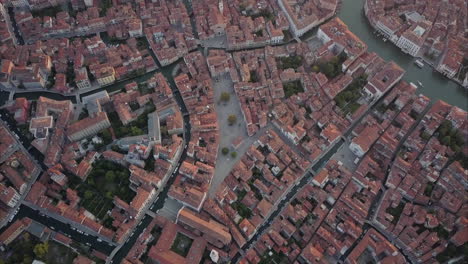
[(159, 203), (435, 86), (119, 85)]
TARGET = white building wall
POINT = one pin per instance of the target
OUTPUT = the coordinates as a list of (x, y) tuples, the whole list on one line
[(356, 149), (408, 46)]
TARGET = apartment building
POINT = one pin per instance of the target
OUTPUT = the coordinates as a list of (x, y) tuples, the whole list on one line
[(89, 126)]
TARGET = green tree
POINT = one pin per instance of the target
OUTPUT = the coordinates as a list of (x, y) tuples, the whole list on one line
[(90, 181), (253, 77), (225, 96), (26, 237), (106, 136), (88, 194), (27, 259), (334, 60), (455, 147), (426, 136), (446, 140), (453, 132), (83, 114), (459, 139), (225, 151), (41, 250), (232, 119), (110, 176), (233, 154), (328, 69), (315, 68), (115, 148), (445, 128), (109, 195), (340, 101), (121, 175), (135, 131)]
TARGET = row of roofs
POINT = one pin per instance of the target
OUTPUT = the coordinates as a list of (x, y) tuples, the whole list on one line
[(413, 222), (242, 23), (432, 29), (305, 15), (424, 206), (61, 64), (64, 145), (322, 222), (196, 172), (17, 172), (7, 35), (25, 225), (167, 28), (120, 21), (310, 118), (253, 189), (327, 217)]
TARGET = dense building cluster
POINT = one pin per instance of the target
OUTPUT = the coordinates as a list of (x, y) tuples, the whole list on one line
[(73, 152), (18, 171), (196, 172), (243, 23), (305, 15), (338, 159), (64, 66), (431, 29)]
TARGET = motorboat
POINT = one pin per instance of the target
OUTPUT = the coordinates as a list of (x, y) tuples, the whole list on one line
[(419, 63)]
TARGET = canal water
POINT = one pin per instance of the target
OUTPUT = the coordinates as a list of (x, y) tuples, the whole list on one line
[(435, 86), (166, 71)]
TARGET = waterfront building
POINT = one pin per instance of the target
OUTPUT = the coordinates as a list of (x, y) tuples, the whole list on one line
[(105, 76), (81, 79), (389, 26), (412, 39)]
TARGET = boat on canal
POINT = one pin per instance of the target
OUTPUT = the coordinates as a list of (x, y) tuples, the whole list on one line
[(419, 63)]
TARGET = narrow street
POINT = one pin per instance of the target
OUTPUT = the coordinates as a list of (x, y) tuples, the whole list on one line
[(167, 207), (75, 232), (119, 253), (14, 25)]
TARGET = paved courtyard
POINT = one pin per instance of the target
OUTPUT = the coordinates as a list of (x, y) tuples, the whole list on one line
[(170, 209), (228, 133), (345, 155), (219, 42), (314, 43)]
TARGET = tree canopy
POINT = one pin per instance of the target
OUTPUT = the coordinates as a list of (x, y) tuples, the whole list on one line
[(225, 96), (232, 119), (41, 250)]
